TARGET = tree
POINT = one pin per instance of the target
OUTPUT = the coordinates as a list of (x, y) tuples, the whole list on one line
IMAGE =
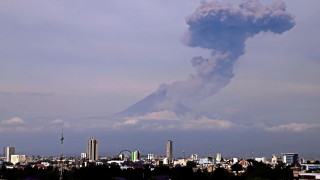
[(236, 167), (221, 173), (191, 164)]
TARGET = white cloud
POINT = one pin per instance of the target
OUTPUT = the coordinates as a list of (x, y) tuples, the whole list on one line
[(17, 124), (294, 127), (60, 122), (161, 115), (165, 120), (207, 123), (13, 122)]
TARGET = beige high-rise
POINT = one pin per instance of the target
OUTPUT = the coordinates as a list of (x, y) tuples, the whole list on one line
[(169, 151), (92, 149)]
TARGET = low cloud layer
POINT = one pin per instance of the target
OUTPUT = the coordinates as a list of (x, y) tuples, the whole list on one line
[(165, 120), (291, 127)]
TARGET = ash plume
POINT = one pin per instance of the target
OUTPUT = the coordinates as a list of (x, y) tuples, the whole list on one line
[(223, 29)]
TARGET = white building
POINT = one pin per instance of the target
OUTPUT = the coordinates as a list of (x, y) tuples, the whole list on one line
[(274, 159), (208, 161), (9, 150), (18, 159), (165, 161), (290, 158), (181, 162), (194, 157), (235, 160), (151, 157), (83, 155), (218, 157), (261, 159)]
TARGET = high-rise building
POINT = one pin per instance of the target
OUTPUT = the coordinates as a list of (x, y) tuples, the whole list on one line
[(92, 149), (135, 156), (169, 151), (9, 150)]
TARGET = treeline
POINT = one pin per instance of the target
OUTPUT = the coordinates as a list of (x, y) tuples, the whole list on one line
[(256, 171)]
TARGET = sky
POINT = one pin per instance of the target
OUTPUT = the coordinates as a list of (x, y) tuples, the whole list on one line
[(77, 65)]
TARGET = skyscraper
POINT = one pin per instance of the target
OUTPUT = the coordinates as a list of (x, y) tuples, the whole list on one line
[(169, 151), (9, 150), (92, 149), (135, 156)]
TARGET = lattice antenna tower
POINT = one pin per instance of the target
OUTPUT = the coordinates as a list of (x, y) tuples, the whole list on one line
[(61, 157)]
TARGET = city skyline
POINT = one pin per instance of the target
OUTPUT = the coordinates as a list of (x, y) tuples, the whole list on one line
[(135, 74), (93, 153)]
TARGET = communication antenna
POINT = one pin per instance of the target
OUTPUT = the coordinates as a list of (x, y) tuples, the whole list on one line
[(61, 157)]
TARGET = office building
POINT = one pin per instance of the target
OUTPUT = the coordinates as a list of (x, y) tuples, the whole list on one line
[(289, 158), (92, 149), (169, 151), (9, 150), (135, 156)]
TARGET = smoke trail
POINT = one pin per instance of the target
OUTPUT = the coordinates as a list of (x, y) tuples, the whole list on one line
[(224, 30)]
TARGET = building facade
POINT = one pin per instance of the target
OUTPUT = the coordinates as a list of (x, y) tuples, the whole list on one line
[(218, 157), (169, 151), (289, 158), (9, 150), (135, 156), (92, 149), (18, 159)]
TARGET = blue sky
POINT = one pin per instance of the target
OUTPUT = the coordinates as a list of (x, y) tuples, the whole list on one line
[(75, 64)]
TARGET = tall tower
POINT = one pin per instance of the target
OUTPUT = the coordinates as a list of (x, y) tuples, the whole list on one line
[(9, 150), (92, 149), (61, 158), (169, 151)]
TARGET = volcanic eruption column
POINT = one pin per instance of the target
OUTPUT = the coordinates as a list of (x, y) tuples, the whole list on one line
[(224, 30)]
